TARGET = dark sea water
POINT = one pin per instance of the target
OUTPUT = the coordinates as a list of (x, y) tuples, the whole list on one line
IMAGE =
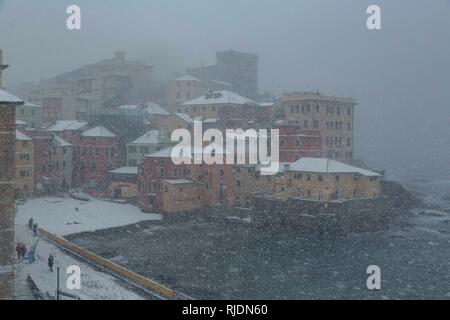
[(231, 259)]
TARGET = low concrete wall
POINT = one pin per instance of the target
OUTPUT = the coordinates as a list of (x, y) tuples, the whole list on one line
[(110, 266)]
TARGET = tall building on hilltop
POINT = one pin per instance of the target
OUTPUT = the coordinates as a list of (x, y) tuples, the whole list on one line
[(92, 89), (239, 69)]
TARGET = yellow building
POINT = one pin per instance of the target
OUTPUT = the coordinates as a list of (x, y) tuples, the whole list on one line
[(24, 164), (326, 180), (184, 89), (224, 105), (180, 195), (123, 183), (248, 182), (334, 116)]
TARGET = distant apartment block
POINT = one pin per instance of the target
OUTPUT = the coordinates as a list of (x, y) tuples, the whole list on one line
[(58, 101), (183, 89), (31, 114), (92, 89)]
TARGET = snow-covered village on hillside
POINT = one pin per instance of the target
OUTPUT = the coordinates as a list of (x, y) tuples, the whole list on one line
[(141, 176)]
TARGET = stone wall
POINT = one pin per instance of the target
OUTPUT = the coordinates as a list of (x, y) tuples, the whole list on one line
[(7, 204)]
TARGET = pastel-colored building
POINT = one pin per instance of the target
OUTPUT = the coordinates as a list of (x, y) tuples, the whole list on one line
[(99, 155), (148, 143), (31, 114), (152, 172), (52, 161), (296, 143), (70, 131), (123, 183), (183, 89), (224, 105), (333, 116), (325, 180)]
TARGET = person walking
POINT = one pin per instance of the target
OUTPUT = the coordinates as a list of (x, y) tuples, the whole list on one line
[(50, 262), (18, 250)]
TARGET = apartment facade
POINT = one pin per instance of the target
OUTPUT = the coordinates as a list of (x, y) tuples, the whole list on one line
[(70, 131), (296, 142), (52, 161), (333, 116), (183, 89), (146, 144), (166, 187), (123, 183), (8, 104), (99, 155), (223, 105), (24, 165), (31, 114), (58, 101)]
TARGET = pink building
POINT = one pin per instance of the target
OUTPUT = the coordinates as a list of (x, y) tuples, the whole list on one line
[(99, 154)]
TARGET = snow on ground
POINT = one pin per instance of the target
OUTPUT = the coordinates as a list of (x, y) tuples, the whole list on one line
[(63, 216), (95, 285), (60, 216)]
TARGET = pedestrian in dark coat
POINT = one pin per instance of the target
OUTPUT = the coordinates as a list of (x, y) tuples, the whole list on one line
[(18, 250), (30, 224), (50, 262)]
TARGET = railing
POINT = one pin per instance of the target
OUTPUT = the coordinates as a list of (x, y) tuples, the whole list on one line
[(141, 281)]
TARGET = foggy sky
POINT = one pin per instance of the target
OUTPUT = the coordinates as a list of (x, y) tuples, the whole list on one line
[(400, 75)]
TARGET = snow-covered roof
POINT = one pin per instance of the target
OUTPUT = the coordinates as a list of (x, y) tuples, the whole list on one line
[(98, 131), (185, 117), (151, 137), (153, 108), (125, 170), (129, 107), (187, 77), (165, 153), (62, 142), (20, 123), (7, 98), (223, 83), (266, 104), (206, 120), (219, 97), (21, 136), (178, 181), (62, 125), (323, 165), (32, 105)]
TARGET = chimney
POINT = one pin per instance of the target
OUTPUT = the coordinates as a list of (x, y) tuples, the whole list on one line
[(2, 67)]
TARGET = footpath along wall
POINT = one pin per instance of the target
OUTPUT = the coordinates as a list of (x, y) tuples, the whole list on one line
[(114, 268)]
